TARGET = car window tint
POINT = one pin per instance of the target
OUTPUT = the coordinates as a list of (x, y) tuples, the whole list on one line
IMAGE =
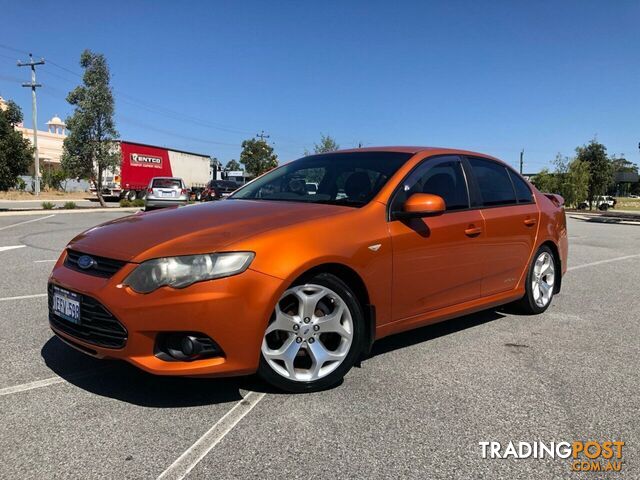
[(342, 178), (493, 181), (166, 183), (444, 178), (523, 192)]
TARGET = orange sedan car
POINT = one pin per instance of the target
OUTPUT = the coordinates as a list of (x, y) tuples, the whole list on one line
[(296, 283)]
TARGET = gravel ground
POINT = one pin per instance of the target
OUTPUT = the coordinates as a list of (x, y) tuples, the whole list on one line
[(416, 409)]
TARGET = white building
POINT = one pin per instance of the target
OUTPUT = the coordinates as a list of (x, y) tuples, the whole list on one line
[(49, 141)]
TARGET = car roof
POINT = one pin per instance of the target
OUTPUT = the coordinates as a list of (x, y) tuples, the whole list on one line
[(413, 150)]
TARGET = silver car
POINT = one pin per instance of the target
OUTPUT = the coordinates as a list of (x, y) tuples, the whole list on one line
[(166, 192)]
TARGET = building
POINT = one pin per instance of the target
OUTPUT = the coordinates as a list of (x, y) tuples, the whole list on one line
[(49, 141)]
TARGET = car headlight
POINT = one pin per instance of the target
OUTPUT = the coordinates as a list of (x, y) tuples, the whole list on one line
[(180, 272)]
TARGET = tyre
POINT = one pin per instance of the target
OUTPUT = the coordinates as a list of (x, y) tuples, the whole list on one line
[(540, 282), (131, 195), (142, 194), (604, 207), (198, 196), (314, 336)]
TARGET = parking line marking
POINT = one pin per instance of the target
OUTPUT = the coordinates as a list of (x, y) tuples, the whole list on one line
[(22, 297), (617, 259), (31, 385), (51, 381), (192, 456), (45, 261), (11, 247), (26, 221)]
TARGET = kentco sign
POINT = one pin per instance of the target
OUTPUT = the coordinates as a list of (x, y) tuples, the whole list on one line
[(138, 160)]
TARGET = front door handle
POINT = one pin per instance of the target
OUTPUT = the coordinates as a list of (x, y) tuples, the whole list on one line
[(473, 231), (530, 222)]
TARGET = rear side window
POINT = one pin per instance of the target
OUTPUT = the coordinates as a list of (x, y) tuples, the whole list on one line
[(443, 177), (493, 181), (523, 192)]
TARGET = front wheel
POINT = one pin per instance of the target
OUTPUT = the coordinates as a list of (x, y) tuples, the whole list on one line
[(541, 279), (314, 336)]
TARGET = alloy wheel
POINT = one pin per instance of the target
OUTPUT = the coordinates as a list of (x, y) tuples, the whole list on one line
[(310, 333), (543, 279)]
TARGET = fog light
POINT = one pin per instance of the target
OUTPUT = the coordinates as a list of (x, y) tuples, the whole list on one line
[(191, 346), (185, 346)]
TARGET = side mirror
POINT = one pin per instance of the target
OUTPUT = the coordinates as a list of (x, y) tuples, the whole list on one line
[(422, 205)]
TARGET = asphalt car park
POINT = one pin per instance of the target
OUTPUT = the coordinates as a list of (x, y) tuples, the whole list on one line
[(417, 408)]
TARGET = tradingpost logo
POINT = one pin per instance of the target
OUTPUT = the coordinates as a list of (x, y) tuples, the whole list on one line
[(583, 456)]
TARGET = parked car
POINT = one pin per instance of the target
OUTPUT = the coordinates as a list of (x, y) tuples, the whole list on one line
[(297, 286), (166, 192), (219, 189), (601, 202)]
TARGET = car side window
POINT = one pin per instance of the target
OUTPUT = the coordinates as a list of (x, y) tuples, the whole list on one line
[(443, 177), (493, 182), (523, 192)]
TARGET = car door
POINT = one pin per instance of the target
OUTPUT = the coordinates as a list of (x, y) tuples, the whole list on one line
[(436, 259), (511, 221)]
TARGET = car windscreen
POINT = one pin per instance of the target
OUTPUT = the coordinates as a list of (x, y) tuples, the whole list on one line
[(352, 178), (166, 183)]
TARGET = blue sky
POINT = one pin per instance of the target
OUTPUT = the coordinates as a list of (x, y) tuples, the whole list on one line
[(494, 76)]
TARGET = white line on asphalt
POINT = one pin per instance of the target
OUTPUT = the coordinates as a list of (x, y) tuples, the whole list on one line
[(31, 385), (51, 381), (12, 247), (22, 297), (617, 259), (26, 221), (45, 261), (192, 456)]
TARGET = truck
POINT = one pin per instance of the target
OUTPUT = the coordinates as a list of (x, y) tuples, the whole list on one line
[(140, 163)]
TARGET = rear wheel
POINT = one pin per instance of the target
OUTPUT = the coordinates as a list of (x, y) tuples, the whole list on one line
[(131, 195), (541, 280), (314, 336)]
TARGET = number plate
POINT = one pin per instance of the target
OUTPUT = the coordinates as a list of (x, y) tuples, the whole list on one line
[(66, 304), (168, 194)]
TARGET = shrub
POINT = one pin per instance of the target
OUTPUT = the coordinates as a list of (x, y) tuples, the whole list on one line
[(69, 205), (124, 202), (48, 205), (21, 184), (138, 202)]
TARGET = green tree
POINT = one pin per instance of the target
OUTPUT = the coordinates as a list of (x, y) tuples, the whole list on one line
[(91, 146), (327, 144), (232, 165), (545, 181), (594, 154), (623, 166), (257, 156), (16, 153), (52, 177)]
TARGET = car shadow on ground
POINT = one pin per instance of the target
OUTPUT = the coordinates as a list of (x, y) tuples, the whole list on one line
[(122, 381), (433, 331)]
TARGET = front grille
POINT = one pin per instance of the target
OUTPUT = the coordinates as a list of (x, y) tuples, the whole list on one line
[(97, 325), (102, 267)]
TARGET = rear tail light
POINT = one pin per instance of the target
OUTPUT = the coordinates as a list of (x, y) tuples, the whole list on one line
[(149, 190), (184, 191)]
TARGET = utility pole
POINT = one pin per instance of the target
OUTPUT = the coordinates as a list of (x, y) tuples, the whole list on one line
[(521, 160), (262, 135), (33, 85)]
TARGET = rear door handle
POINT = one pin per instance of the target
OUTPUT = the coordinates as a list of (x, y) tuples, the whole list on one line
[(530, 222), (472, 231)]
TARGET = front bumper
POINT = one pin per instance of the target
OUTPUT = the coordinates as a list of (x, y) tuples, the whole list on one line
[(233, 311)]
